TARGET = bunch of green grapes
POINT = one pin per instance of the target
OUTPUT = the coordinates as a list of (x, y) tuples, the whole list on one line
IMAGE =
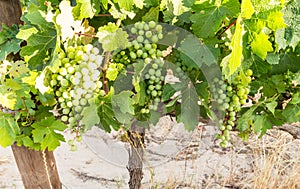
[(143, 46), (76, 81), (230, 97), (181, 66), (154, 78)]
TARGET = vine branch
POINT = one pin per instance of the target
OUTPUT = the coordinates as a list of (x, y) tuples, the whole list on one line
[(228, 27)]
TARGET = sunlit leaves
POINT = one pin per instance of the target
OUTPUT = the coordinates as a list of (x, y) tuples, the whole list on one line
[(44, 132), (8, 129), (112, 38), (210, 14), (261, 45), (236, 56)]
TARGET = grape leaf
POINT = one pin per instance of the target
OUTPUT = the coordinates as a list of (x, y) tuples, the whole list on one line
[(18, 68), (83, 9), (8, 41), (275, 20), (9, 129), (197, 51), (7, 98), (209, 15), (112, 73), (236, 44), (90, 116), (296, 98), (106, 113), (38, 46), (26, 31), (124, 102), (44, 133), (261, 124), (126, 4), (151, 15), (247, 9), (273, 58), (189, 108), (112, 38), (292, 19), (271, 106), (261, 45), (291, 113)]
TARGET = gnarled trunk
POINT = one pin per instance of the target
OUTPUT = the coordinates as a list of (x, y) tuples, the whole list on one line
[(135, 164)]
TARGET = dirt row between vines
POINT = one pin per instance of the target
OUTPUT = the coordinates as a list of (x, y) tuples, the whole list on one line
[(177, 159)]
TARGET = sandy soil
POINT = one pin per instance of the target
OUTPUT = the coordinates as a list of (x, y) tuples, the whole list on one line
[(174, 159)]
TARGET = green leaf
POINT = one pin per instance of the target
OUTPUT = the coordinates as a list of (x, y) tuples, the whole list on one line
[(168, 91), (292, 19), (210, 14), (106, 113), (271, 106), (261, 45), (291, 113), (126, 4), (8, 41), (26, 31), (9, 129), (7, 99), (112, 38), (296, 98), (198, 52), (10, 46), (90, 116), (124, 102), (236, 44), (83, 9), (51, 141), (151, 15), (38, 47), (190, 109), (44, 133), (261, 124), (247, 9), (273, 58)]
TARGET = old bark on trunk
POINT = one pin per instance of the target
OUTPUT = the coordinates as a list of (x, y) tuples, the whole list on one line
[(37, 168), (135, 164)]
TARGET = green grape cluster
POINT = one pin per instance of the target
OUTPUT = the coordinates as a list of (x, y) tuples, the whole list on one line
[(230, 97), (143, 48), (76, 81), (181, 66), (154, 79)]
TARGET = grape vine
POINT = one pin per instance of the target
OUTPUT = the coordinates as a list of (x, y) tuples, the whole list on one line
[(73, 56)]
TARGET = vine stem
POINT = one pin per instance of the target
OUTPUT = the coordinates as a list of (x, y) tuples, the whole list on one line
[(229, 26), (105, 66), (85, 34), (106, 62), (103, 15)]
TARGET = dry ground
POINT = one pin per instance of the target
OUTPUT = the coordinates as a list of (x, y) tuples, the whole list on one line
[(176, 159)]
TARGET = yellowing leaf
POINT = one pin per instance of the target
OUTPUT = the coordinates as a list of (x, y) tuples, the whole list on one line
[(237, 47), (247, 9), (261, 45), (276, 21)]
